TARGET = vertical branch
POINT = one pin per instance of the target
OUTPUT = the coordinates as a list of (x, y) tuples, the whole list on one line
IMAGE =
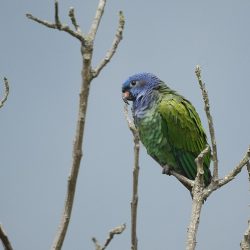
[(97, 18), (5, 240), (210, 122), (198, 200), (87, 42), (134, 202), (57, 20), (6, 92), (77, 150), (245, 243)]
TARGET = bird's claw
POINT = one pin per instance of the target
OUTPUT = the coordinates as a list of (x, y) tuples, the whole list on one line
[(166, 170)]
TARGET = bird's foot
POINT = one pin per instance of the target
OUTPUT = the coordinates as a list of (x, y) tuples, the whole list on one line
[(166, 170)]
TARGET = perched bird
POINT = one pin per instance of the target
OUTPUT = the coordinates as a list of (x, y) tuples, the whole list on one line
[(168, 125)]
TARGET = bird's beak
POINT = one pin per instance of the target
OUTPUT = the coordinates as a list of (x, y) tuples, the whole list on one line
[(126, 96)]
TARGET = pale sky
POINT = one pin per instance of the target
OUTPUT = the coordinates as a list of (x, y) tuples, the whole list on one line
[(167, 38)]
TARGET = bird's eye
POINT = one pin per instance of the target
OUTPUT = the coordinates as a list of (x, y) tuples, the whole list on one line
[(133, 83)]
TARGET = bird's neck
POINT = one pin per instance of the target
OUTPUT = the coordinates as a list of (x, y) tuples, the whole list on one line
[(145, 101), (149, 99)]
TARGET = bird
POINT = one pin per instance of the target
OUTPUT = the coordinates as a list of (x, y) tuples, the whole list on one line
[(169, 126)]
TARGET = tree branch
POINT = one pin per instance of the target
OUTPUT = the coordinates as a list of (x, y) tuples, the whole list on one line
[(229, 177), (182, 179), (116, 41), (201, 193), (6, 92), (210, 122), (86, 73), (97, 18), (112, 233), (57, 25), (136, 169), (245, 243), (248, 169), (57, 20), (73, 20), (198, 200), (5, 240)]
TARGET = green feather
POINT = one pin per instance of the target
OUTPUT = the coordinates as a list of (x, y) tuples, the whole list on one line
[(173, 134)]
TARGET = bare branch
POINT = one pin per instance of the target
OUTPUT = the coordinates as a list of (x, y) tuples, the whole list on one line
[(210, 122), (184, 180), (200, 193), (187, 182), (130, 123), (5, 240), (57, 25), (97, 244), (199, 160), (87, 77), (136, 169), (45, 23), (116, 41), (6, 92), (73, 20), (57, 20), (245, 243), (97, 19), (112, 233), (248, 170), (229, 177), (198, 199)]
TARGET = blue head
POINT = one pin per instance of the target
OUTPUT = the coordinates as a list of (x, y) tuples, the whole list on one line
[(138, 85)]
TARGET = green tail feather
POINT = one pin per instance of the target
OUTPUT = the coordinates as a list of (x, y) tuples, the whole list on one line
[(189, 168)]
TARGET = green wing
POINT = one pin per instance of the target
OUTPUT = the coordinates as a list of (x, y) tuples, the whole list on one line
[(182, 127)]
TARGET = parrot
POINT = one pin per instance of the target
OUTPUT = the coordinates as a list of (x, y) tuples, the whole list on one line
[(169, 126)]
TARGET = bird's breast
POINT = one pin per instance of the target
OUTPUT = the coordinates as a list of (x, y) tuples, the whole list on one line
[(151, 133)]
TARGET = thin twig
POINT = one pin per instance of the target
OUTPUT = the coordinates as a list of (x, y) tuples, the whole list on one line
[(210, 122), (57, 20), (97, 244), (199, 160), (112, 233), (248, 169), (57, 24), (6, 92), (5, 240), (136, 169), (97, 18), (245, 243), (87, 52), (229, 177), (111, 52), (73, 20)]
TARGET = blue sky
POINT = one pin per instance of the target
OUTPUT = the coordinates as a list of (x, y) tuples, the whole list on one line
[(167, 38)]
